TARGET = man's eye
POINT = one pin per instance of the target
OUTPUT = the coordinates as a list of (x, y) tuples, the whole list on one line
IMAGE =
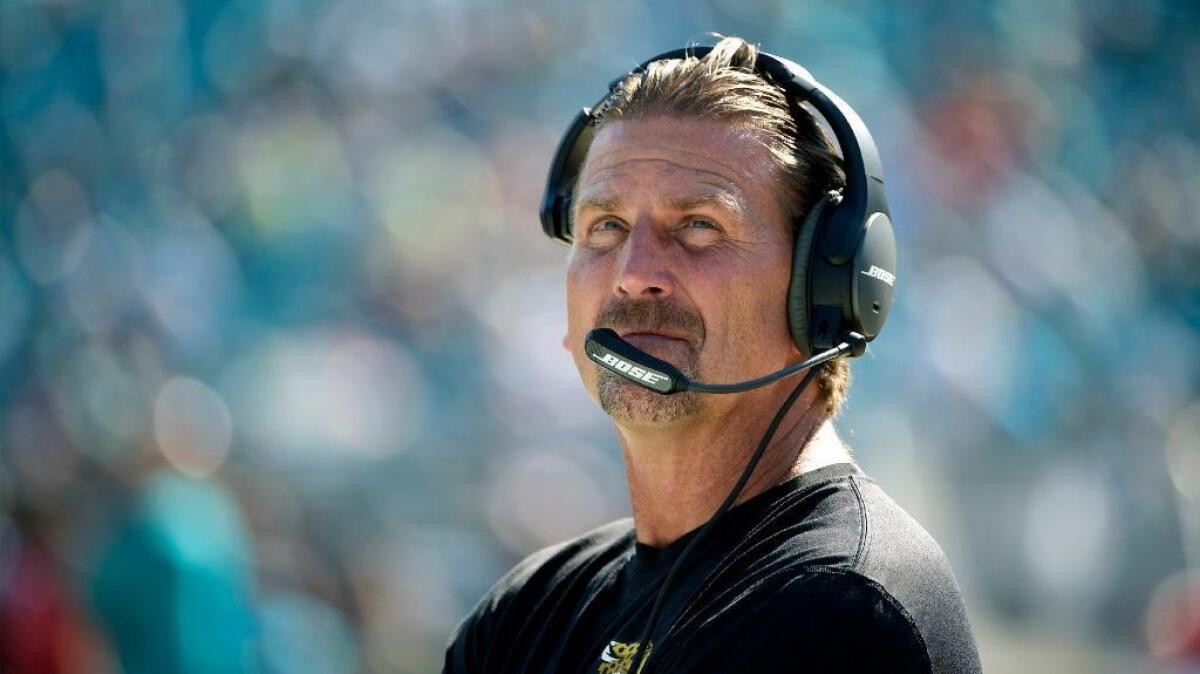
[(702, 228), (604, 233), (700, 233)]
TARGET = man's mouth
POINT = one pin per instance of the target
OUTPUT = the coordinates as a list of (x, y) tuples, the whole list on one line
[(655, 343)]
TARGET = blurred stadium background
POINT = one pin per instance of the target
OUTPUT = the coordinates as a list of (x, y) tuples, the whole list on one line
[(265, 266)]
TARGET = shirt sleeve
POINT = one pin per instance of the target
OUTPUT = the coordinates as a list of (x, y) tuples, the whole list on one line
[(821, 622), (864, 629), (471, 643), (463, 650)]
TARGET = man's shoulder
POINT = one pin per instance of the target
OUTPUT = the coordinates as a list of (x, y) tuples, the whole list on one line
[(838, 620), (903, 558), (851, 548), (829, 618), (847, 522), (551, 564), (528, 586), (892, 540)]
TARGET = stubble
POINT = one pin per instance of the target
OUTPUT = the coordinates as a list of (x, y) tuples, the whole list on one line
[(629, 403)]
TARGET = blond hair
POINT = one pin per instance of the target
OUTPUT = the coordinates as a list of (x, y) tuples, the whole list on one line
[(724, 86)]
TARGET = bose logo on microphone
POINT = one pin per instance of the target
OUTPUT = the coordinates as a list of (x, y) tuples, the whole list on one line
[(629, 369), (881, 274)]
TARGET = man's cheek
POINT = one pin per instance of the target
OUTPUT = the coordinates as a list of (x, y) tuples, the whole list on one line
[(574, 317), (588, 372), (577, 327)]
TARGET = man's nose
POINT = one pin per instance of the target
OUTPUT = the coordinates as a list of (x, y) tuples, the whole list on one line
[(644, 269)]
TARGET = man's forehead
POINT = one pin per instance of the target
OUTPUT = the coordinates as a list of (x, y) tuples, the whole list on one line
[(682, 163), (719, 149)]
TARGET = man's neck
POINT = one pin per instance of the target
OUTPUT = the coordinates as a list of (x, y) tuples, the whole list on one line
[(679, 476)]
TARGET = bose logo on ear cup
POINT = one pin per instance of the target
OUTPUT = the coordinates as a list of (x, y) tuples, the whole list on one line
[(881, 274)]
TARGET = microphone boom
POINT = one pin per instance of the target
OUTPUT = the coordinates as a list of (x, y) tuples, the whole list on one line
[(618, 356)]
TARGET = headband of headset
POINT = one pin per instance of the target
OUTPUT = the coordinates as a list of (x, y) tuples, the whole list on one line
[(844, 246)]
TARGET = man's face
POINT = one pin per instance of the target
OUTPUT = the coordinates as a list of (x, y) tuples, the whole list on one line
[(680, 245)]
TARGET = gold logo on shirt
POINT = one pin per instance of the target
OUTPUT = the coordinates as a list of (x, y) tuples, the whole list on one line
[(617, 657)]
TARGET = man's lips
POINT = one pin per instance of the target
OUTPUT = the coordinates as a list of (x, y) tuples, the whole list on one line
[(654, 341)]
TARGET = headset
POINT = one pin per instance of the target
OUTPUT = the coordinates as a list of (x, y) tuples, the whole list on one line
[(844, 259), (843, 266)]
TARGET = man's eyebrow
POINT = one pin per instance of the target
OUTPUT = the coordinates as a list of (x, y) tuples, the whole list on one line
[(723, 200), (600, 203)]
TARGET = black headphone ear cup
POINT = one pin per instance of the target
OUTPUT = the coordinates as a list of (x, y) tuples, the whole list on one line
[(797, 306)]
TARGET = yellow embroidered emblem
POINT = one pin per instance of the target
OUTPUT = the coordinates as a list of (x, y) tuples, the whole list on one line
[(617, 658)]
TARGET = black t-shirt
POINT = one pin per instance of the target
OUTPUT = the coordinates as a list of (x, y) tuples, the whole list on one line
[(821, 573)]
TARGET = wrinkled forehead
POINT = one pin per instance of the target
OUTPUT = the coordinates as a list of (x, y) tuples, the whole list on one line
[(676, 159)]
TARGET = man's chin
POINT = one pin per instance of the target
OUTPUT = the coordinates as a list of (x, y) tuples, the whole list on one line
[(630, 404)]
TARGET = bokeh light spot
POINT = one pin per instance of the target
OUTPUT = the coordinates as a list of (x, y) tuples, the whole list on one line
[(192, 426)]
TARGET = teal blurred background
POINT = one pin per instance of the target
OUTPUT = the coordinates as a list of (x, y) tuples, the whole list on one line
[(266, 267)]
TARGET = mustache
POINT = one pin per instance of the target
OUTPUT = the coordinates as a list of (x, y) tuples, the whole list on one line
[(651, 316)]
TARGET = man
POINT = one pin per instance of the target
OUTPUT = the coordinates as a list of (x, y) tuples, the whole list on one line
[(683, 226)]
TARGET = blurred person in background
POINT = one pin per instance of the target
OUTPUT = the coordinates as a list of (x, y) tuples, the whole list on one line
[(42, 625), (681, 243), (173, 588)]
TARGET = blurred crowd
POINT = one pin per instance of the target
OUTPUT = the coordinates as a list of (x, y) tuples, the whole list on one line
[(267, 268)]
